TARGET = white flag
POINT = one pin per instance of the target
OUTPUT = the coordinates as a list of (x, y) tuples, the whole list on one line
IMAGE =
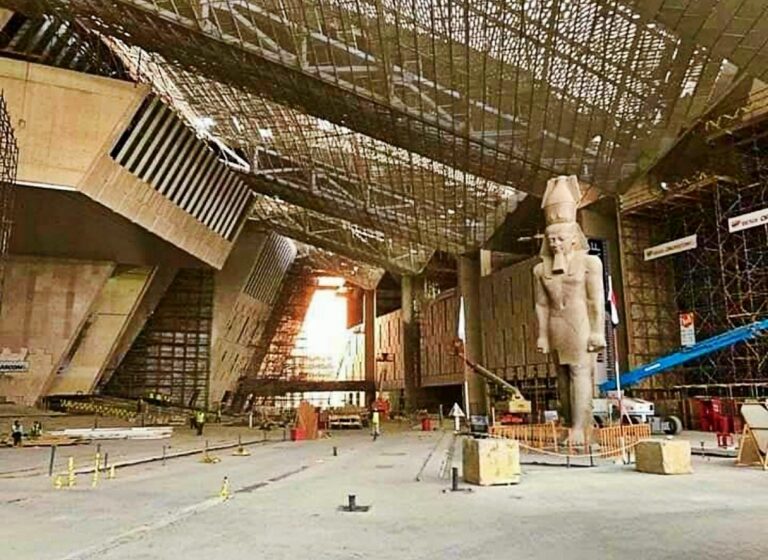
[(461, 329)]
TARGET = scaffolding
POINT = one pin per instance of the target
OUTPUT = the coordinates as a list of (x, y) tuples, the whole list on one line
[(387, 130), (272, 359), (170, 359), (724, 280), (9, 159)]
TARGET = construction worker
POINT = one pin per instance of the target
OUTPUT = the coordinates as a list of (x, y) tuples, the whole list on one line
[(200, 422), (17, 432), (375, 424), (37, 430)]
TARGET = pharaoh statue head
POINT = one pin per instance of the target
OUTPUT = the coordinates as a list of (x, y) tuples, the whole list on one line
[(563, 234)]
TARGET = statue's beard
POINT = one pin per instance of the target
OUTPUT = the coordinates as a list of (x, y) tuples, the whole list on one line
[(559, 263)]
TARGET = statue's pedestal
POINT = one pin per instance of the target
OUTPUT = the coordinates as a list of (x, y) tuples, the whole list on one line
[(491, 461), (663, 456)]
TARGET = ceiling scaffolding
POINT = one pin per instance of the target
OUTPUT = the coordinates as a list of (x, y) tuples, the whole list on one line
[(383, 130)]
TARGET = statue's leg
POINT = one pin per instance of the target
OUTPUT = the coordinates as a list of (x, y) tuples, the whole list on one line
[(581, 398), (564, 393)]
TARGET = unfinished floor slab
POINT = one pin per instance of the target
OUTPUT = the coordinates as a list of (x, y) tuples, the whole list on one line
[(286, 497)]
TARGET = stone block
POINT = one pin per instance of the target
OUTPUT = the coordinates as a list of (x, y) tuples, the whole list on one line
[(491, 461), (658, 456)]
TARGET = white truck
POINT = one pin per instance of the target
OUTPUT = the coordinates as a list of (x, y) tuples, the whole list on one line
[(634, 411)]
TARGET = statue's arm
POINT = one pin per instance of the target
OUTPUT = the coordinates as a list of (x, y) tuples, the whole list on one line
[(595, 304), (542, 311)]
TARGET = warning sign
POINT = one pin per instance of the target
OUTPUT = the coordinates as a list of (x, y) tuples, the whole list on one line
[(687, 329)]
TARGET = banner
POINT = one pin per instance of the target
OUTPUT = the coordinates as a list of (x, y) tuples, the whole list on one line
[(746, 221), (687, 331), (670, 248)]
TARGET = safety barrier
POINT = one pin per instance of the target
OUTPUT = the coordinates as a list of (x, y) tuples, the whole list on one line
[(617, 438), (537, 436), (152, 415), (551, 438)]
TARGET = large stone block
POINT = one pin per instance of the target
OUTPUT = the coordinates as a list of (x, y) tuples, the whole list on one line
[(663, 456), (491, 461)]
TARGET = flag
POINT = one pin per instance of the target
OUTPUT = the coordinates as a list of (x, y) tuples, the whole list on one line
[(612, 303), (461, 329)]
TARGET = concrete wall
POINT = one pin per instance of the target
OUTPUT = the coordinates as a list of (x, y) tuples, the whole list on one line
[(66, 123), (155, 288), (45, 304), (49, 223), (238, 318), (108, 319), (599, 221), (63, 120)]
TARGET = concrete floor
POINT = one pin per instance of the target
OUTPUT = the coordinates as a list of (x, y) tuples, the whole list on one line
[(286, 498)]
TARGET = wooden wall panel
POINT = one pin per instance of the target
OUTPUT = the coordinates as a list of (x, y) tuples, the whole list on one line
[(509, 332), (390, 375), (439, 327)]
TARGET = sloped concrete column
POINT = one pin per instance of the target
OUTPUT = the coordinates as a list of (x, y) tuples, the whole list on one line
[(469, 286), (412, 292), (369, 333)]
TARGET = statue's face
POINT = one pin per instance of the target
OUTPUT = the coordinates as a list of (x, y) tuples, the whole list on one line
[(561, 238)]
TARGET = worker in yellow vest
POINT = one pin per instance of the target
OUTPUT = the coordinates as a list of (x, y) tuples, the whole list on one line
[(200, 422), (375, 424)]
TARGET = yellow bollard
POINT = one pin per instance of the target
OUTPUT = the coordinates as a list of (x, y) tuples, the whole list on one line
[(224, 493), (71, 472), (58, 482), (111, 475), (241, 451), (97, 465)]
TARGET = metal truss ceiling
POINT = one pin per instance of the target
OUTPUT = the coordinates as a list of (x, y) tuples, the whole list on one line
[(423, 120), (513, 90), (327, 263)]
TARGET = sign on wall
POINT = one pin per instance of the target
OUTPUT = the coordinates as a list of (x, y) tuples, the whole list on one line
[(750, 220), (11, 362), (687, 330), (670, 248)]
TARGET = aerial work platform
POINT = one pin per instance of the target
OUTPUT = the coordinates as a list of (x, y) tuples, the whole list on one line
[(713, 344)]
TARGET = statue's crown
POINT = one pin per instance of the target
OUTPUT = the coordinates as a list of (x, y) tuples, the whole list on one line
[(561, 199)]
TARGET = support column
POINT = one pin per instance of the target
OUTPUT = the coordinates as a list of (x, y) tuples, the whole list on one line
[(469, 286), (369, 334), (412, 290)]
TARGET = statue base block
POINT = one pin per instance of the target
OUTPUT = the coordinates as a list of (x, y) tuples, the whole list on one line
[(491, 461), (663, 456)]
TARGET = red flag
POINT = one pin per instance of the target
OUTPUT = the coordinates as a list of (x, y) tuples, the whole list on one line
[(612, 303)]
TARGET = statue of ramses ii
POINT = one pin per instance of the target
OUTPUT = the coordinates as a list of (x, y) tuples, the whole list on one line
[(570, 301)]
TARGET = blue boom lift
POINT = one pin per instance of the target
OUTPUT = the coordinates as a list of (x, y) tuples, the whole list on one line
[(639, 410), (713, 344)]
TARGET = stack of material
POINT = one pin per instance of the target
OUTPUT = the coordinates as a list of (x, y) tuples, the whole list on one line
[(49, 440), (306, 420), (491, 461), (43, 441), (159, 432), (663, 456)]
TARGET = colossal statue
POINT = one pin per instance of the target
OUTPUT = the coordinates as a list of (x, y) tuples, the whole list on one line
[(569, 301)]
